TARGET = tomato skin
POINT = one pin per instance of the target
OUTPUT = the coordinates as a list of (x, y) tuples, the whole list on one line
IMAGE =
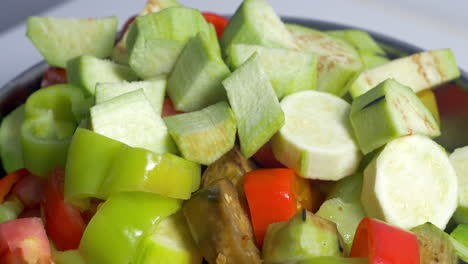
[(24, 241), (64, 223), (384, 244), (29, 190), (271, 197), (265, 157), (168, 108), (7, 182), (218, 21), (53, 76), (451, 99)]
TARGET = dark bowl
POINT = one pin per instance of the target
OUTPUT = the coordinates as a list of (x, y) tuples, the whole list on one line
[(454, 123)]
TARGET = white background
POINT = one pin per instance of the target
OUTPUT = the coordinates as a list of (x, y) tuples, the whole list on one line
[(429, 24)]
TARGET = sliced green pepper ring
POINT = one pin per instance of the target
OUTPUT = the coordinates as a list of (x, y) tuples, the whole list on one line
[(45, 143), (52, 115)]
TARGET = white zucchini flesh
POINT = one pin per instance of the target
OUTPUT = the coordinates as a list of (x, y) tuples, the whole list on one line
[(316, 140), (409, 183)]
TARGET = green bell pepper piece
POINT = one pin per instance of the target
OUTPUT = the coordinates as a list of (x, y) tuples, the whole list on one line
[(137, 169), (66, 101), (9, 210), (52, 115), (45, 143), (89, 160), (114, 232), (11, 151)]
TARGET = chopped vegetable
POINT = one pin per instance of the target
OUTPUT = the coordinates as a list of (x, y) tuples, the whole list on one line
[(24, 241), (338, 61), (7, 182), (219, 226), (120, 223), (130, 119), (271, 197), (29, 190), (409, 183), (63, 222), (255, 106), (10, 210), (89, 160), (419, 71), (155, 41), (428, 98), (169, 242), (434, 245), (62, 39), (299, 75), (219, 22), (195, 81), (11, 151), (459, 160), (205, 135), (52, 76), (154, 90), (305, 235), (388, 111), (316, 140), (265, 157), (382, 243), (86, 71), (136, 169), (255, 22)]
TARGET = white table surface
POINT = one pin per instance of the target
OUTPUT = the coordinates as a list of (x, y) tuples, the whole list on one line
[(429, 24)]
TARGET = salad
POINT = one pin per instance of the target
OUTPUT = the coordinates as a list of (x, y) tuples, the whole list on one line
[(197, 139)]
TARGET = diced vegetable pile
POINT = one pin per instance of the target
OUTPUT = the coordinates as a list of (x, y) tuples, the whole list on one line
[(197, 138)]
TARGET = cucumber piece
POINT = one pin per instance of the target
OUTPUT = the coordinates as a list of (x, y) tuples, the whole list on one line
[(154, 89), (461, 249), (370, 60), (388, 111), (435, 245), (428, 98), (419, 71), (346, 216), (299, 75), (206, 135), (338, 60), (255, 22), (136, 169), (305, 235), (130, 118), (459, 159), (62, 39), (169, 242), (87, 71), (255, 105), (155, 40), (195, 82), (119, 53), (316, 140), (409, 183), (361, 40), (10, 144)]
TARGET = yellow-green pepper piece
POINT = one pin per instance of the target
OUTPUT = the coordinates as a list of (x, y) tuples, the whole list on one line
[(114, 232)]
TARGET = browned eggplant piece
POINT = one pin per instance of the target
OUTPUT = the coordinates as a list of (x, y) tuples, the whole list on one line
[(232, 166), (219, 225)]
